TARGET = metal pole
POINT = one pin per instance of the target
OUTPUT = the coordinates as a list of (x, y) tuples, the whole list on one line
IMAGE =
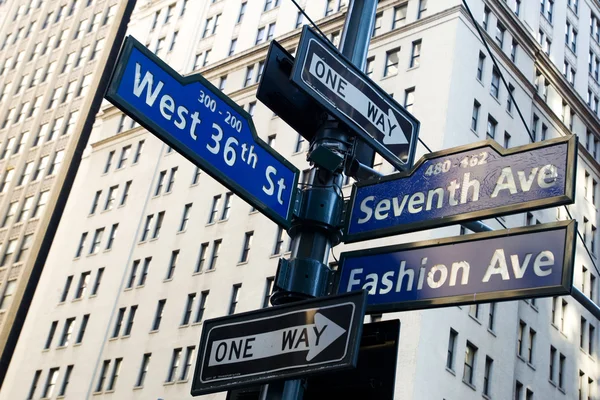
[(317, 229)]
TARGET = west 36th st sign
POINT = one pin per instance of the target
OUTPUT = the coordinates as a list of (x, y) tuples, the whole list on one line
[(462, 184), (205, 126)]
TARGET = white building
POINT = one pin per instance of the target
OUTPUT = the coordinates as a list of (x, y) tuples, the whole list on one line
[(120, 316), (51, 56)]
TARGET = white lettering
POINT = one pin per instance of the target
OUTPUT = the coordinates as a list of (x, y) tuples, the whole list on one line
[(146, 83), (544, 259)]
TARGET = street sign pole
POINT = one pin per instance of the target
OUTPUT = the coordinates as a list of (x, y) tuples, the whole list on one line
[(317, 227)]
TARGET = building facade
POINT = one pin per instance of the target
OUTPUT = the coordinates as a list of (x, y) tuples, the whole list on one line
[(51, 53), (151, 246)]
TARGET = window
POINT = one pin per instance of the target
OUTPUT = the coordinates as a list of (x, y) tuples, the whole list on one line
[(582, 332), (247, 244), (99, 275), (81, 244), (249, 74), (111, 236), (196, 176), (22, 142), (174, 365), (415, 55), (278, 241), (500, 34), (66, 288), (185, 218), (172, 264), (138, 151), (25, 244), (241, 13), (377, 24), (369, 66), (171, 181), (8, 178), (268, 291), (159, 314), (187, 313), (563, 313), (495, 86), (518, 390), (561, 368), (55, 129), (41, 204), (520, 338), (108, 161), (591, 339), (470, 355), (102, 377), (10, 249), (509, 98), (226, 207), (170, 11), (270, 31), (12, 209), (110, 198), (67, 332), (84, 280), (299, 20), (82, 328), (251, 107), (96, 242), (187, 364), (50, 383), (130, 319), (491, 127), (399, 16), (260, 35), (125, 193), (115, 374), (235, 291), (9, 290), (409, 99), (530, 346), (51, 334), (25, 174), (215, 254), (124, 155), (214, 209), (146, 227), (159, 184), (552, 361), (422, 11), (159, 221), (34, 383), (487, 374), (201, 306), (391, 62), (451, 349), (491, 316), (143, 370), (261, 68), (480, 66), (58, 157)]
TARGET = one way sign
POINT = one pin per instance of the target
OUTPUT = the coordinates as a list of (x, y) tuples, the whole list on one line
[(349, 95), (303, 338)]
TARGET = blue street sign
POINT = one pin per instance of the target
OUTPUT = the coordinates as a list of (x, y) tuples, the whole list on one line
[(462, 184), (502, 265), (208, 128)]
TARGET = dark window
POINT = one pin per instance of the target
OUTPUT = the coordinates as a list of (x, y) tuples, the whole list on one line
[(158, 315), (247, 244), (235, 291)]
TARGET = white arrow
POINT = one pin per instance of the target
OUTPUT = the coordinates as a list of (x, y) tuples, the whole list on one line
[(386, 123), (313, 337)]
